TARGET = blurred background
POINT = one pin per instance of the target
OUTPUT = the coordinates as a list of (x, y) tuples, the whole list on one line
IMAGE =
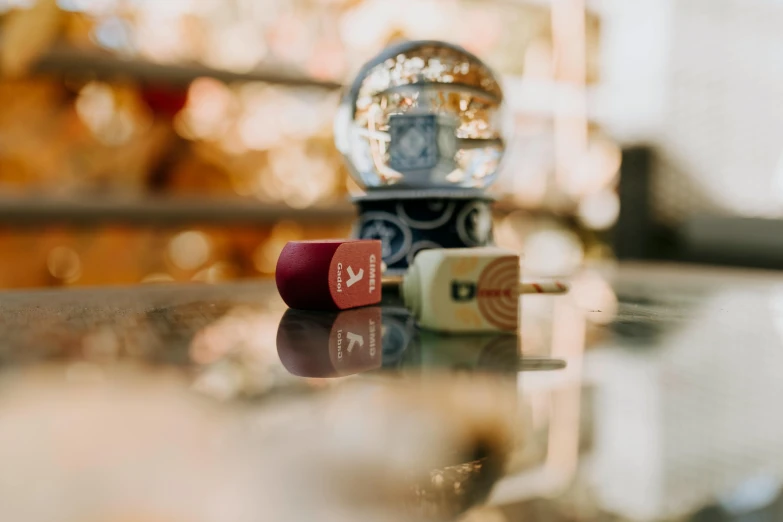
[(179, 140)]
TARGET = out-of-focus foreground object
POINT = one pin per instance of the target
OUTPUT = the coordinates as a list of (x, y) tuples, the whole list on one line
[(128, 445)]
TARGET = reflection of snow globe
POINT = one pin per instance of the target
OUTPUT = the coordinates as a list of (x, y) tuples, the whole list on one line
[(421, 130)]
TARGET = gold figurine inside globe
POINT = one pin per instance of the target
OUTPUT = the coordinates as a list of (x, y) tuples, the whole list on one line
[(423, 114)]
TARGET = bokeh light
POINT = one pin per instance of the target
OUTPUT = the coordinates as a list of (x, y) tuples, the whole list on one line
[(189, 250), (209, 108), (594, 295), (101, 345), (64, 264), (552, 252), (599, 210), (265, 256), (216, 273)]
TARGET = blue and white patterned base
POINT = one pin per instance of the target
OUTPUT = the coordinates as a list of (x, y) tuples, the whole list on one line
[(408, 223)]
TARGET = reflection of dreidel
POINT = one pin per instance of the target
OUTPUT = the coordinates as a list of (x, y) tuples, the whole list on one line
[(476, 353), (482, 353), (330, 344), (337, 344), (447, 290)]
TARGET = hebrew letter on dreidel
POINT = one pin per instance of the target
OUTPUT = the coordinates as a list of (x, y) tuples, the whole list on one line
[(354, 278), (354, 339)]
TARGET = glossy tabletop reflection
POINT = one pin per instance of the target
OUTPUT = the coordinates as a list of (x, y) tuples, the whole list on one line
[(647, 393)]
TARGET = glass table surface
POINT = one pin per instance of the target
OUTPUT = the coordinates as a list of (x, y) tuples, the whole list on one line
[(648, 393)]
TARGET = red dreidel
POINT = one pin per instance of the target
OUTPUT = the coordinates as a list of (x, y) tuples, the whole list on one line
[(330, 274)]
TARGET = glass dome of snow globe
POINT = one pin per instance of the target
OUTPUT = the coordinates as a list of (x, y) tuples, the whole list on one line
[(423, 114)]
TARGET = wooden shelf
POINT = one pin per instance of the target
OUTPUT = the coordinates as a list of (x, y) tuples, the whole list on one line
[(67, 60), (170, 211), (178, 211)]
